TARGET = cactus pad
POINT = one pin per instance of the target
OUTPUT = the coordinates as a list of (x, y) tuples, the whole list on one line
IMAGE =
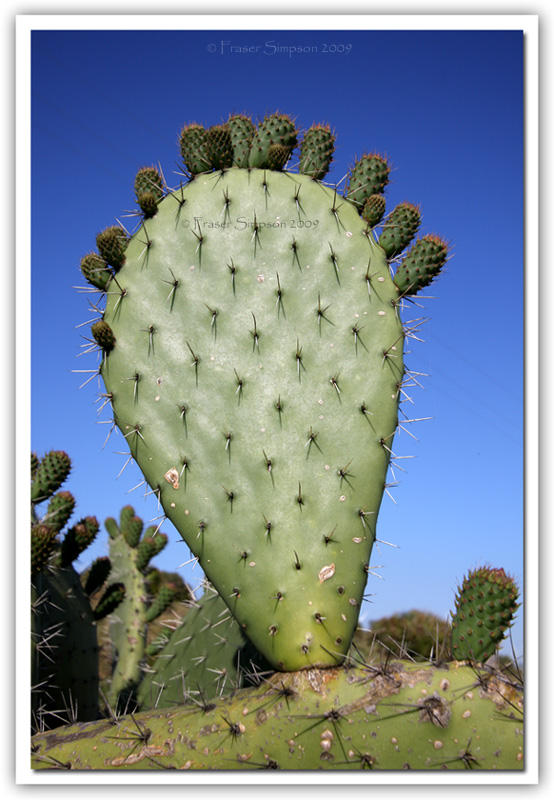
[(485, 605), (403, 717), (255, 377)]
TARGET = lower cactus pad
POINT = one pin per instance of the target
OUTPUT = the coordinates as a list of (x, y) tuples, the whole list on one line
[(398, 717)]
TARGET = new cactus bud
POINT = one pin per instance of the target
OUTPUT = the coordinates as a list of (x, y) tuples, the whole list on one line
[(51, 472), (275, 129), (110, 600), (103, 335), (111, 244), (368, 176), (97, 574), (194, 149), (421, 264), (60, 508), (277, 156), (399, 229), (242, 132), (96, 271), (161, 601), (220, 147), (77, 539), (148, 190), (374, 209), (316, 151), (486, 603), (43, 542), (149, 547)]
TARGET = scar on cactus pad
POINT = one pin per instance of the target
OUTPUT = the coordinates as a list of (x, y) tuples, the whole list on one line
[(252, 354)]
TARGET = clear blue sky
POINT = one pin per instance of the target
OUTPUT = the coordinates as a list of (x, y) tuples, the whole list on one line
[(447, 108)]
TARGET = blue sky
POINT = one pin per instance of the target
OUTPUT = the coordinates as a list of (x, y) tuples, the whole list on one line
[(447, 109)]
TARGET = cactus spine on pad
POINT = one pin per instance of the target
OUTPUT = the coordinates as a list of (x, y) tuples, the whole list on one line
[(393, 717)]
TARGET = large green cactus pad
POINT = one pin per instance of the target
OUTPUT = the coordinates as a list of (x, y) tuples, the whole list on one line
[(255, 376)]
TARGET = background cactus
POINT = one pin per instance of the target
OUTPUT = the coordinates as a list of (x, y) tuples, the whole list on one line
[(255, 369), (131, 548), (415, 634), (204, 654), (64, 647)]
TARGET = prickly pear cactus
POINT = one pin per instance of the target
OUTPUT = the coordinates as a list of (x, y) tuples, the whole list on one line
[(205, 655), (402, 716), (252, 352), (131, 548), (64, 647), (486, 603)]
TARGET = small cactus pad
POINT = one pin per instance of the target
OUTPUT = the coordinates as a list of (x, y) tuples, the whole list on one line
[(242, 132), (43, 542), (103, 335), (194, 149), (421, 264), (399, 229), (275, 129), (77, 539), (220, 147), (368, 176), (485, 606), (316, 151), (374, 209), (49, 474), (112, 597), (60, 508), (148, 190), (96, 271), (111, 244)]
